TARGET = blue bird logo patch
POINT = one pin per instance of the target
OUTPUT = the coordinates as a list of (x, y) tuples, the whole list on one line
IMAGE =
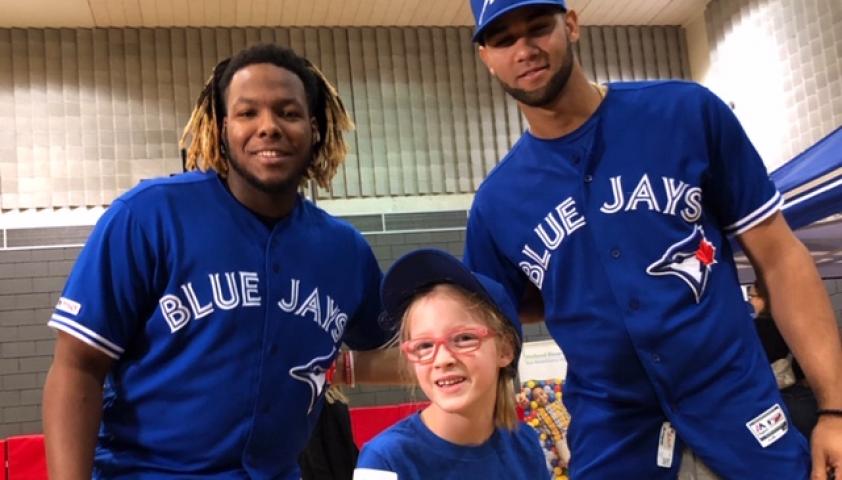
[(690, 260)]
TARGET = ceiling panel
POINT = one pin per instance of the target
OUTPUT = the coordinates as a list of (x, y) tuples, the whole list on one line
[(680, 12), (618, 14), (321, 10), (180, 13), (273, 11), (166, 13), (650, 10), (45, 13)]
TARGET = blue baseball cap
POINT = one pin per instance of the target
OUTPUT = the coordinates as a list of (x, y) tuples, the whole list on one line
[(486, 11), (421, 269)]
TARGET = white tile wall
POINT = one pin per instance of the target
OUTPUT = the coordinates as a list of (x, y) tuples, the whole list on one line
[(780, 62)]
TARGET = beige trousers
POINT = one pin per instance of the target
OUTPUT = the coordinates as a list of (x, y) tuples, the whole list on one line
[(692, 468)]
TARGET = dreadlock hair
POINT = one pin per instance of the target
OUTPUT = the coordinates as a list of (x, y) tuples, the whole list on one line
[(207, 150)]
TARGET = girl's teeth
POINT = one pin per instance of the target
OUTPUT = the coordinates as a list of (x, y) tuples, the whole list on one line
[(443, 383)]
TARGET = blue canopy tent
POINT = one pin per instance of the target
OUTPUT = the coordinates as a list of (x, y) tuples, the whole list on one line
[(811, 184)]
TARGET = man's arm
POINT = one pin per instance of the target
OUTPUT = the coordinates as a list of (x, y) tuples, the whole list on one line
[(803, 314), (382, 366), (72, 407), (531, 306)]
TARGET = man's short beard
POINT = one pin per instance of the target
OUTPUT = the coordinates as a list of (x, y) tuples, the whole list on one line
[(544, 96)]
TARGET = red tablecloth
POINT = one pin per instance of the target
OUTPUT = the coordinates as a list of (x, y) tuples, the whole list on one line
[(3, 459), (26, 457), (367, 422)]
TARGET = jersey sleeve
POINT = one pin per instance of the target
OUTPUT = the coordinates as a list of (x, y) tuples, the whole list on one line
[(107, 290), (535, 453), (739, 189), (482, 255), (373, 465), (366, 330)]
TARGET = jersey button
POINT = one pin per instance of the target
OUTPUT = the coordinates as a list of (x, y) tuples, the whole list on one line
[(615, 252), (588, 178), (276, 268), (273, 349), (656, 358), (634, 304)]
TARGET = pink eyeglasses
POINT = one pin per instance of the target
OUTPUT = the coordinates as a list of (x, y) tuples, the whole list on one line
[(463, 340)]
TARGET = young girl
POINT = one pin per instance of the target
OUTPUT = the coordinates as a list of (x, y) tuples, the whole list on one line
[(461, 338)]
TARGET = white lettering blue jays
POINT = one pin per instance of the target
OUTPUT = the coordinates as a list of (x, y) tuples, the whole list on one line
[(230, 290), (677, 199), (332, 321), (643, 196), (242, 290), (557, 225)]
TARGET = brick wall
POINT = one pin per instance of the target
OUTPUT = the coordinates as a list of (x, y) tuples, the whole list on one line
[(31, 280)]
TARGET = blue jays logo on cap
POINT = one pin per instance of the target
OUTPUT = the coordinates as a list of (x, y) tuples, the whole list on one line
[(690, 260), (486, 11)]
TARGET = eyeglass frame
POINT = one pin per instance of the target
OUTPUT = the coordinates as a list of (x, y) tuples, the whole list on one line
[(482, 333)]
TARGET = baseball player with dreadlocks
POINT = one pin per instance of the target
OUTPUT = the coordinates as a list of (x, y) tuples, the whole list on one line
[(609, 218), (196, 328)]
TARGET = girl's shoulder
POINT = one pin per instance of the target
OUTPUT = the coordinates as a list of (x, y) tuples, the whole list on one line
[(523, 445), (394, 453), (402, 431), (378, 451)]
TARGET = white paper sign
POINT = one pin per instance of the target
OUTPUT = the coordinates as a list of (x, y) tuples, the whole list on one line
[(541, 361)]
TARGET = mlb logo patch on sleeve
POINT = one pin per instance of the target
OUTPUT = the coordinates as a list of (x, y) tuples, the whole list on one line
[(769, 426), (67, 305)]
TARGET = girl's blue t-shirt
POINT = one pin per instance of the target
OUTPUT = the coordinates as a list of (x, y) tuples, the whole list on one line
[(411, 451)]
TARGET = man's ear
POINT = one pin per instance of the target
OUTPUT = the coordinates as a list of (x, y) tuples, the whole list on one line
[(314, 127), (223, 137), (571, 23), (483, 55)]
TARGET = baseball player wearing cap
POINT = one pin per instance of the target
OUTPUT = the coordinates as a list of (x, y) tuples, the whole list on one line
[(212, 303), (461, 338), (610, 219)]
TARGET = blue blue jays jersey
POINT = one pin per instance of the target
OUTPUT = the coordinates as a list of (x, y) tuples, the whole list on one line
[(410, 451), (221, 328), (623, 226)]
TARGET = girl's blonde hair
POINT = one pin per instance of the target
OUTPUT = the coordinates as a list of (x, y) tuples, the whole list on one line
[(505, 411)]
